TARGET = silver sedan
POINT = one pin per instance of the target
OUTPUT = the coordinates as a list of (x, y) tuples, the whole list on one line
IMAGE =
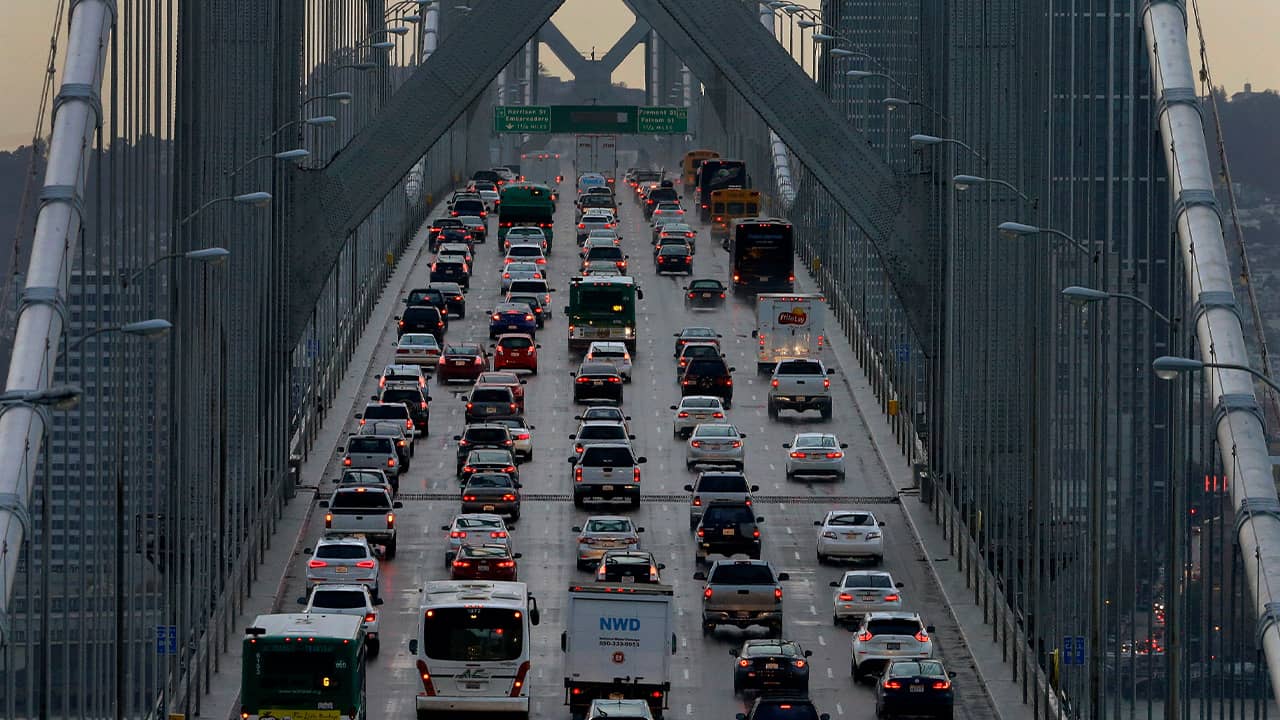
[(715, 444), (815, 454)]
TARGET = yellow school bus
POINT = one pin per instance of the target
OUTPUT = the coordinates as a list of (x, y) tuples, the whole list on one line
[(692, 160), (729, 205)]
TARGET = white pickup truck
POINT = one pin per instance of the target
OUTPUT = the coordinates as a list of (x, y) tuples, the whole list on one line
[(366, 510), (800, 385)]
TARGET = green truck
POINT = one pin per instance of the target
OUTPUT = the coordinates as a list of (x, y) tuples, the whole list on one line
[(525, 203), (304, 666), (602, 308)]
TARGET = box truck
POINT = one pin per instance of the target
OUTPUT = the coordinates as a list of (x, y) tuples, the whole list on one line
[(789, 326)]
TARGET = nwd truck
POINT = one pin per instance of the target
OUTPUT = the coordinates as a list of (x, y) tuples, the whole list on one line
[(618, 642), (789, 326)]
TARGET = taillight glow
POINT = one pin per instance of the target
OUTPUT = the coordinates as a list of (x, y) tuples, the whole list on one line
[(365, 563), (317, 564)]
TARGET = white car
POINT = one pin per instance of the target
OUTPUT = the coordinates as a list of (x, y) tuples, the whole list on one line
[(525, 235), (864, 591), (525, 253), (815, 455), (418, 349), (474, 529), (521, 436), (600, 432), (885, 636), (619, 710), (850, 534), (520, 271), (715, 444), (694, 410), (406, 373), (597, 241), (607, 413), (346, 599), (343, 559), (614, 352), (491, 199), (605, 532)]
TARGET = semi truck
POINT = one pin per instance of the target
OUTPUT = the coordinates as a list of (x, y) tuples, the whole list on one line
[(598, 154), (789, 326), (618, 643)]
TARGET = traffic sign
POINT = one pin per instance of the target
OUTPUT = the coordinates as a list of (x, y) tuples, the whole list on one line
[(593, 118), (662, 120), (1073, 650), (166, 639), (1079, 649), (521, 118)]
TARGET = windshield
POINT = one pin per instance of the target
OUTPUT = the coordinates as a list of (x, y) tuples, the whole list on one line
[(928, 668), (354, 499), (491, 395), (868, 581), (607, 456), (320, 669), (728, 514), (815, 441), (802, 710), (473, 634), (609, 525), (337, 599), (402, 396), (745, 574), (716, 431), (516, 343), (368, 445), (489, 481), (599, 299), (418, 340), (421, 314), (786, 649), (603, 432), (852, 520), (763, 248), (893, 626), (486, 435), (604, 252), (722, 484), (394, 411), (342, 552)]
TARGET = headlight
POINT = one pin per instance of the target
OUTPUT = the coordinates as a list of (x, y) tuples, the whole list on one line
[(630, 332)]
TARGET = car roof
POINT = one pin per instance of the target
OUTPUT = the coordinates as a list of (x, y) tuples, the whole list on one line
[(892, 615), (607, 345), (608, 517), (353, 539), (598, 368), (512, 306)]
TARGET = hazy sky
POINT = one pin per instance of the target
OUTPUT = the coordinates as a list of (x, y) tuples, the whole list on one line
[(1243, 37)]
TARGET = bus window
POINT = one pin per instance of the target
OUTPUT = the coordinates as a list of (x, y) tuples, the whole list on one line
[(718, 208)]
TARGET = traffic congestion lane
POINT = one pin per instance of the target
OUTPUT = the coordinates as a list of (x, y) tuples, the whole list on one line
[(702, 671)]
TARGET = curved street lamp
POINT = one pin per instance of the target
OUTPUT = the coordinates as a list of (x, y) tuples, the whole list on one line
[(964, 182), (256, 199), (1168, 367), (1078, 295), (1013, 230)]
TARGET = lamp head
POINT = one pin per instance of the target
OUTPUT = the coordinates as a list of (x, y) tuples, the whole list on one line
[(920, 139), (342, 96), (321, 120), (1168, 367), (366, 65), (894, 102), (823, 37), (1082, 295), (256, 199), (147, 328), (411, 18), (294, 154), (1011, 230), (964, 182), (213, 255), (398, 30), (843, 52), (382, 45), (858, 74)]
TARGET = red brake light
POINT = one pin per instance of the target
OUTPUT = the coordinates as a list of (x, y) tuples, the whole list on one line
[(744, 663), (941, 684), (891, 597), (317, 564), (697, 501), (864, 636), (826, 382), (468, 498), (922, 636), (706, 593), (682, 414), (845, 597), (834, 455), (695, 443), (893, 684), (498, 534), (458, 534), (370, 617), (365, 563)]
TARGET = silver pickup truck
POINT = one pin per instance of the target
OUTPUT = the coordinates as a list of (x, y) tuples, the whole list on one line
[(742, 593), (800, 385), (365, 510)]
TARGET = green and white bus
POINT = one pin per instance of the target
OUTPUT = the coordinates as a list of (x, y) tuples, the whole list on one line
[(304, 666), (527, 204), (602, 308)]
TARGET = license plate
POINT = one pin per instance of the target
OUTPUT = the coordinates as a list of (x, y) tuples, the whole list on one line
[(627, 579), (852, 536), (459, 362), (799, 398), (728, 531), (917, 688), (616, 696), (742, 614), (764, 278), (893, 646), (597, 382), (606, 488), (706, 295), (771, 666), (482, 567), (511, 327), (490, 410), (488, 508), (340, 569)]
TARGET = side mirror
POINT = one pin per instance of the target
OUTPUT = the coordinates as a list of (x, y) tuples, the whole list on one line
[(844, 446), (444, 527), (517, 556), (740, 716), (688, 488), (673, 407), (824, 716), (397, 505), (833, 583), (808, 653), (573, 460), (742, 435), (899, 585), (732, 369), (538, 347), (576, 528), (378, 601), (457, 437), (754, 333), (639, 529), (373, 397), (340, 449), (524, 382), (577, 417), (519, 486), (572, 436), (302, 600), (564, 641), (733, 653), (642, 460), (359, 416), (626, 417), (928, 629), (324, 503), (817, 523), (675, 334), (759, 518), (631, 437), (572, 374), (881, 523), (699, 575), (413, 647), (783, 577), (831, 371), (396, 317), (535, 616), (951, 673), (786, 446), (662, 566), (377, 377), (755, 488), (306, 551), (639, 294)]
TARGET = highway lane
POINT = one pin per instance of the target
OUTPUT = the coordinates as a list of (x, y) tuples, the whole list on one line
[(702, 670)]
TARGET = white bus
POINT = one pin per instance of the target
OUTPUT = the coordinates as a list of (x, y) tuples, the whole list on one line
[(473, 647)]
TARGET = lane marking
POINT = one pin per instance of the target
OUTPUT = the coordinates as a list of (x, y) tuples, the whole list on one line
[(830, 674), (813, 610), (823, 642), (839, 710), (796, 553), (789, 533)]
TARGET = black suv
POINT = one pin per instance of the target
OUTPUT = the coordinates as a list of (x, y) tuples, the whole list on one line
[(673, 257), (456, 235), (451, 269), (597, 382), (422, 319), (470, 206), (783, 707), (482, 437), (455, 302), (413, 398), (437, 225), (665, 193), (728, 528), (708, 376), (427, 297)]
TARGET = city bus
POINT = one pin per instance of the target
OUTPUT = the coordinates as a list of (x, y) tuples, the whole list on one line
[(761, 256), (729, 205), (692, 160), (526, 204), (304, 666), (602, 308), (473, 647), (717, 174)]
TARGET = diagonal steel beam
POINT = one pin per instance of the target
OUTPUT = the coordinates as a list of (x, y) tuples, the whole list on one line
[(563, 48), (728, 36), (687, 50), (329, 205), (621, 49)]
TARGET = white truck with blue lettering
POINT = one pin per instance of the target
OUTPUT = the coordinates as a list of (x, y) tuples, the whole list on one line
[(618, 643)]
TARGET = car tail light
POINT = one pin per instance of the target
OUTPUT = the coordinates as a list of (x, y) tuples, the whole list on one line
[(892, 597), (845, 597), (744, 663), (328, 520), (468, 498), (370, 617), (777, 592), (508, 442), (798, 454), (756, 534), (391, 462), (691, 295), (635, 474), (941, 684), (829, 534), (584, 380), (717, 414), (922, 636), (893, 684), (317, 564), (522, 436), (835, 455), (577, 474), (496, 316), (507, 564), (701, 532), (826, 382), (774, 382), (422, 406), (736, 443), (682, 414), (346, 461), (798, 663), (582, 226), (695, 443), (735, 277), (509, 497), (509, 469), (458, 534), (528, 316), (365, 563), (401, 323), (697, 501), (498, 534), (721, 296), (661, 259), (541, 261), (408, 424), (864, 636), (479, 361), (706, 593), (461, 564)]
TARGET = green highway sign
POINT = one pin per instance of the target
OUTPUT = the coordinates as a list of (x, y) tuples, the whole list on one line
[(521, 118), (609, 119), (662, 120)]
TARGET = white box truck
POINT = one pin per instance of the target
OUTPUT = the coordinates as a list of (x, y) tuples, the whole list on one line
[(789, 326), (598, 154), (618, 642)]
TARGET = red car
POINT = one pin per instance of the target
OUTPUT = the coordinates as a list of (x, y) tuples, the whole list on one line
[(462, 361), (506, 380), (516, 352), (484, 562)]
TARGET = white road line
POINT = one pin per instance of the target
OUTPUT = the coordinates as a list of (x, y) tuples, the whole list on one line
[(688, 709), (813, 610), (839, 710), (830, 674), (686, 673), (790, 533), (773, 467), (796, 553), (823, 642)]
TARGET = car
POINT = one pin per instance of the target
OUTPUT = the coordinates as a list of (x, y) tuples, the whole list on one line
[(606, 471), (782, 707), (915, 687), (708, 376), (715, 444), (428, 297), (534, 286), (488, 460), (850, 534), (521, 436), (815, 454), (525, 235), (614, 709), (600, 268), (451, 269), (609, 253), (605, 532), (516, 351), (372, 477), (611, 352), (600, 237), (604, 412), (490, 197), (421, 319), (476, 226), (600, 432), (800, 385), (693, 351), (388, 411), (717, 485), (395, 374), (883, 637), (742, 593), (770, 665), (474, 529), (597, 382), (532, 302), (704, 293), (395, 430), (470, 204), (728, 528), (348, 599), (695, 334), (459, 235), (525, 253), (461, 361), (454, 299), (343, 559), (507, 380), (487, 492), (363, 510), (694, 410), (462, 250), (595, 220), (415, 399), (490, 401), (484, 562), (674, 258), (859, 592), (680, 229), (629, 566), (512, 318), (664, 240), (376, 452), (519, 271), (659, 223), (481, 436), (433, 231)]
